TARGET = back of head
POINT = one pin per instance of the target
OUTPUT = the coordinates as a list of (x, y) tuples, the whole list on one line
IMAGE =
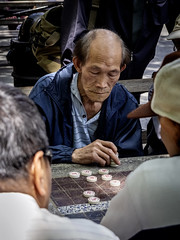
[(22, 132), (82, 47), (175, 34), (166, 98)]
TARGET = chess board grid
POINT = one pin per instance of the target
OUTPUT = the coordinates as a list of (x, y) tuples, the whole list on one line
[(67, 194)]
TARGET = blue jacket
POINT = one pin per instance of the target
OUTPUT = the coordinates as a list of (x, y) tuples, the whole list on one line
[(52, 95)]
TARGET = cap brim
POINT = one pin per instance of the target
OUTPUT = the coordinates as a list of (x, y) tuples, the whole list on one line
[(174, 35), (142, 111)]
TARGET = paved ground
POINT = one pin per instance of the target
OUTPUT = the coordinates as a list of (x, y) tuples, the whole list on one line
[(164, 47), (5, 69)]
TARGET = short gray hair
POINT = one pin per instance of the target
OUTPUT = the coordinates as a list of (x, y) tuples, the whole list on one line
[(22, 132)]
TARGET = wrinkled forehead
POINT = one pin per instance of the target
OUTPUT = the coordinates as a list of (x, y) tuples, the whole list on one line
[(101, 48)]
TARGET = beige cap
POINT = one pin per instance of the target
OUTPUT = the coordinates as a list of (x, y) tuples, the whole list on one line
[(166, 98), (176, 30)]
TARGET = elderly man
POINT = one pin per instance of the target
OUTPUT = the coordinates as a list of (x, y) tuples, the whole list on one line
[(148, 206), (85, 109), (25, 177)]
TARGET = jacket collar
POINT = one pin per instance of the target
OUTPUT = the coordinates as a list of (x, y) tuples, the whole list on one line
[(115, 101), (59, 88)]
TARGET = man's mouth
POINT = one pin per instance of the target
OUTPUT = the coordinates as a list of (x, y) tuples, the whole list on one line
[(99, 93)]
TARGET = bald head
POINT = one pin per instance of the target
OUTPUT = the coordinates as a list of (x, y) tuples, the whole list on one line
[(101, 39)]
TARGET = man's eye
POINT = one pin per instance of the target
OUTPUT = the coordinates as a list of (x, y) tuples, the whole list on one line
[(95, 73), (113, 74)]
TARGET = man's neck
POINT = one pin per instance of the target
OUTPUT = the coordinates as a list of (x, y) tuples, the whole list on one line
[(15, 185), (92, 108)]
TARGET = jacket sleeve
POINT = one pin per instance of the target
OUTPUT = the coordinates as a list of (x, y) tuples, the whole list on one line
[(61, 154), (51, 116), (129, 139)]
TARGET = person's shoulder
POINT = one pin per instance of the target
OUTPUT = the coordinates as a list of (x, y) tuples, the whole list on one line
[(153, 188), (67, 228), (123, 96), (155, 173), (163, 162), (41, 84), (93, 230), (48, 80)]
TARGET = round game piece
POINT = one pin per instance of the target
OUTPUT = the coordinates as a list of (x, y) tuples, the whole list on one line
[(115, 183), (103, 171), (113, 164), (93, 200), (106, 177), (74, 174), (91, 178), (86, 173), (88, 193)]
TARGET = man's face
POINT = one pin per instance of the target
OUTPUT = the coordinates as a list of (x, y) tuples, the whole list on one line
[(101, 71)]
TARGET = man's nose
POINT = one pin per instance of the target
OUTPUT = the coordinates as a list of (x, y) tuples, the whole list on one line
[(102, 82)]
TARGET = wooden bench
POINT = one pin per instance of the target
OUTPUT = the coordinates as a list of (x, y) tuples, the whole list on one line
[(15, 21), (8, 34), (26, 89), (137, 85)]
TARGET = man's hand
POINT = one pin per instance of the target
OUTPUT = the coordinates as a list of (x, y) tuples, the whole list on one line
[(98, 151)]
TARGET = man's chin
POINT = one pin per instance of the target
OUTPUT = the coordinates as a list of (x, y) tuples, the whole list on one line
[(99, 98)]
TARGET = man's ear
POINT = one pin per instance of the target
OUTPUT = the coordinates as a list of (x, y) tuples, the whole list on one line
[(171, 128), (123, 67), (170, 134), (39, 175), (77, 64)]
